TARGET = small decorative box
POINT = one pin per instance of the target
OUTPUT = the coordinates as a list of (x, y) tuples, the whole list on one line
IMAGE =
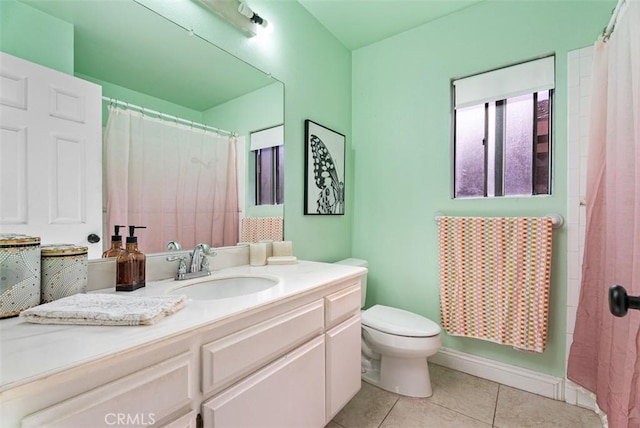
[(64, 271), (19, 273)]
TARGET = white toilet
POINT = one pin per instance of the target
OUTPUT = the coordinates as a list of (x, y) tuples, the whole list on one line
[(395, 346)]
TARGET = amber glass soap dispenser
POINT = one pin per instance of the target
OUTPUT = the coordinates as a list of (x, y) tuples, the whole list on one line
[(116, 244), (131, 264)]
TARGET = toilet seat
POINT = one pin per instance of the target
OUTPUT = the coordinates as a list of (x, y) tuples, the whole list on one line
[(399, 322)]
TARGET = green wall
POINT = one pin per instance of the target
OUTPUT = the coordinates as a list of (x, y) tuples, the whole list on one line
[(316, 71), (35, 36), (255, 111), (402, 143)]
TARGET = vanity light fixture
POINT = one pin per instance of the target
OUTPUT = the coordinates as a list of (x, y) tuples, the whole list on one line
[(254, 17), (238, 14)]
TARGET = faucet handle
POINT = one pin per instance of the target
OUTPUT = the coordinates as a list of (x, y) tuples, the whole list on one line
[(182, 266)]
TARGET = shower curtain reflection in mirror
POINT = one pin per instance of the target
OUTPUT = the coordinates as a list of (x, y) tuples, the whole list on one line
[(178, 181)]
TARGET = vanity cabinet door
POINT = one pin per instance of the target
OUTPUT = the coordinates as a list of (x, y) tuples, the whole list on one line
[(287, 393), (343, 364)]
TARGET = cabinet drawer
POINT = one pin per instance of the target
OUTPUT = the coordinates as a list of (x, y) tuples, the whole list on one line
[(226, 360), (342, 304), (141, 398), (288, 393)]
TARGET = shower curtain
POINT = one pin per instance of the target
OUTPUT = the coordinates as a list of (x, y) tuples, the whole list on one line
[(178, 181), (605, 353)]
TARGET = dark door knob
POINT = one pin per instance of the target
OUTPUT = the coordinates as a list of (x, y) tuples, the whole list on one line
[(620, 302), (93, 238)]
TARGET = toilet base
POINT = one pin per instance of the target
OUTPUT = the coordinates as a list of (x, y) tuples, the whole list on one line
[(403, 376)]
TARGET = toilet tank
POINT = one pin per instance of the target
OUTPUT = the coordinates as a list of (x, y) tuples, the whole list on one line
[(363, 284)]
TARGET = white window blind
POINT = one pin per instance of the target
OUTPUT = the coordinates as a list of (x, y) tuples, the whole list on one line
[(525, 78), (270, 137)]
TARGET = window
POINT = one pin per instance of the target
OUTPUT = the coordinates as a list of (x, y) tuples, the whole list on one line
[(268, 148), (502, 131)]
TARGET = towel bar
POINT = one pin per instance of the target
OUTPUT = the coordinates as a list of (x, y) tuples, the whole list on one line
[(557, 220)]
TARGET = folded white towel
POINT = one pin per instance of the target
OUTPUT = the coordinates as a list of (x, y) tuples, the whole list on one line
[(104, 309)]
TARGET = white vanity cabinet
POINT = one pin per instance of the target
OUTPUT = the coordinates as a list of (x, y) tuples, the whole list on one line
[(294, 362)]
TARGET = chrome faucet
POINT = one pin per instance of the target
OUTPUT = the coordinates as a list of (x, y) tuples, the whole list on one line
[(199, 263)]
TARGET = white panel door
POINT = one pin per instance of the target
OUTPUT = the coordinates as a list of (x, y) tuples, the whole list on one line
[(289, 393), (50, 154)]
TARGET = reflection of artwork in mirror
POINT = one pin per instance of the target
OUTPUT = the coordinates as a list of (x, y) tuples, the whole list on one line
[(324, 170)]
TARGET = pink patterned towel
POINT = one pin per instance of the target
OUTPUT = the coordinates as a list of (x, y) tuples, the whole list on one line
[(254, 229), (494, 279)]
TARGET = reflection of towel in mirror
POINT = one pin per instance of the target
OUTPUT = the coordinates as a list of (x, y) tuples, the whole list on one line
[(104, 309), (255, 229)]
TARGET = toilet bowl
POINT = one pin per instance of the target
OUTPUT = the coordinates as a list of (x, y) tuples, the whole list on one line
[(395, 347)]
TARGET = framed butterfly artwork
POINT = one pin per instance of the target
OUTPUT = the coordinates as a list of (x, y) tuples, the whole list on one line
[(324, 170)]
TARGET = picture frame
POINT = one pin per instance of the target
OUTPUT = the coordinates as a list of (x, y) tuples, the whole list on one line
[(324, 171)]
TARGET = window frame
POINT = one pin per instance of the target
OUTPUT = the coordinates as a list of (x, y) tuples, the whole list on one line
[(499, 182)]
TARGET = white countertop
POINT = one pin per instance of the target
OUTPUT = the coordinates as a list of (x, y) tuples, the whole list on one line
[(31, 351)]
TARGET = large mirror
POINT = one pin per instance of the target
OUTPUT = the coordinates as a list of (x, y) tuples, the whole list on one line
[(141, 58)]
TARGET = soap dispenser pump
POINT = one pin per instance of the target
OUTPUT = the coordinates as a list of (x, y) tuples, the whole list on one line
[(116, 244), (131, 264)]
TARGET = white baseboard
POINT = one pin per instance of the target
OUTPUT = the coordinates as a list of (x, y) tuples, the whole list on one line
[(578, 396), (505, 374)]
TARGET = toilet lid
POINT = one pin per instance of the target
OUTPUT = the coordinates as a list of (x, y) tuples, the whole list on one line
[(399, 322)]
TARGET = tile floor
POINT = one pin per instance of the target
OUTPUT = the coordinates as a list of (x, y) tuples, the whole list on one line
[(460, 400)]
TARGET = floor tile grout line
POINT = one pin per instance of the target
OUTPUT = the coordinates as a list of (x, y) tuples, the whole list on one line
[(460, 413), (387, 415), (495, 407)]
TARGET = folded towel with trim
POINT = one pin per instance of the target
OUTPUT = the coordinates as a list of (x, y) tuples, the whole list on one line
[(104, 309)]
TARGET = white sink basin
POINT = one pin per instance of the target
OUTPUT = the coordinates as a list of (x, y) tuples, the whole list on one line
[(226, 287)]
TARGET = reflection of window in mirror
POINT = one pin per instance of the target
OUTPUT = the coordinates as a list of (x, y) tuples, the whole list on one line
[(268, 148)]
